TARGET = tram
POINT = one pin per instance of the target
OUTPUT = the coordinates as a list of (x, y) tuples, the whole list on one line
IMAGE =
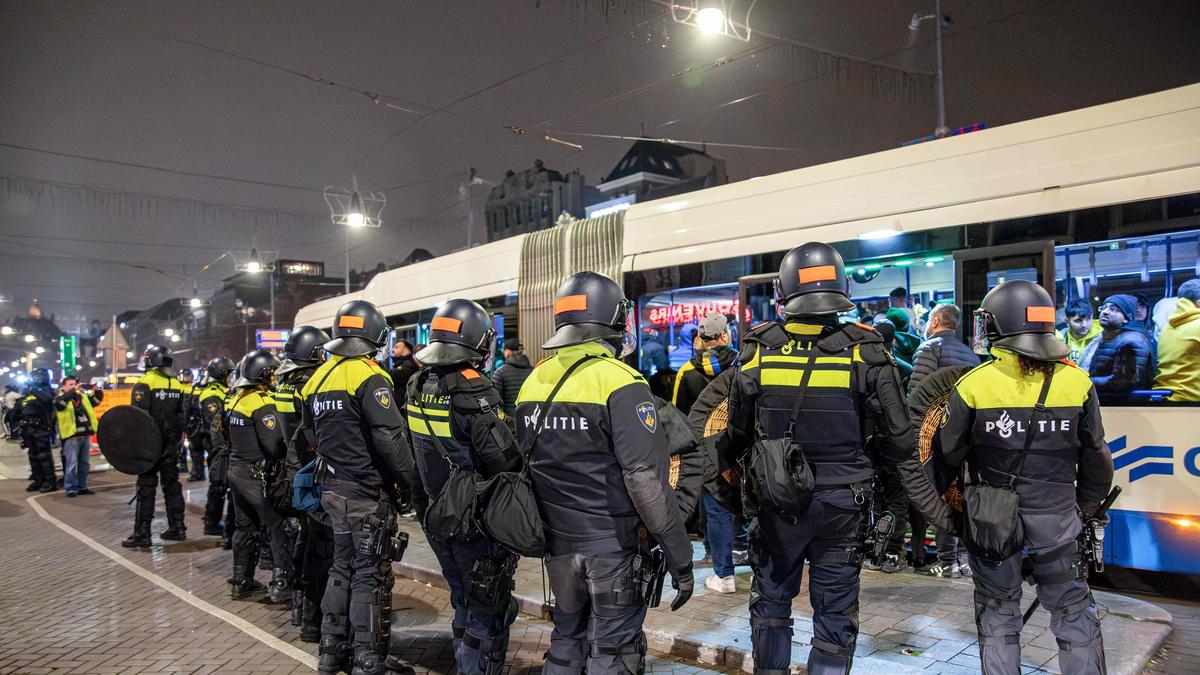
[(1088, 203)]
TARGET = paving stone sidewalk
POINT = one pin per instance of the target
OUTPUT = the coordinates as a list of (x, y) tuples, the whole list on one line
[(66, 608), (908, 623)]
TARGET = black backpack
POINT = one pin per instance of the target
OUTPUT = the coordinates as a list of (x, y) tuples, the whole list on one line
[(778, 476), (451, 514), (510, 516)]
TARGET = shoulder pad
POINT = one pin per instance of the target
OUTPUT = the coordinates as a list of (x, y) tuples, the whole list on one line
[(768, 333), (875, 354), (848, 336), (487, 400), (465, 381)]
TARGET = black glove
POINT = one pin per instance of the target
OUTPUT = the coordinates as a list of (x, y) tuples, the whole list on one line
[(684, 582)]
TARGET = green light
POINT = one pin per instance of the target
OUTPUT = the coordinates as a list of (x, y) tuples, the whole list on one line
[(872, 266), (849, 270), (936, 258), (902, 263)]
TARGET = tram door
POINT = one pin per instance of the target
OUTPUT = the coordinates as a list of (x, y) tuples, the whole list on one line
[(756, 301), (978, 270)]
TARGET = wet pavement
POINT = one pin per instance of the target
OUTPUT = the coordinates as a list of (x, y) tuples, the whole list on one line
[(74, 601)]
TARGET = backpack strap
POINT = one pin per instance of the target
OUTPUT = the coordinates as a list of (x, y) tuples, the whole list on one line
[(528, 449), (1037, 410)]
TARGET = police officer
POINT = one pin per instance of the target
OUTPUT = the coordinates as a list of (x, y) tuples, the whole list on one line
[(358, 429), (35, 412), (210, 441), (255, 438), (161, 395), (1061, 470), (599, 467), (828, 386), (302, 354), (456, 416), (188, 450)]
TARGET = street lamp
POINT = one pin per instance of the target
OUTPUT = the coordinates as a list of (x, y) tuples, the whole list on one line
[(710, 17), (6, 330), (40, 350), (941, 20), (30, 338), (354, 209)]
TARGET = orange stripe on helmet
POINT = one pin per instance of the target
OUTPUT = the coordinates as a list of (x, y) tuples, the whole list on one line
[(1039, 314), (351, 322), (446, 323), (809, 275), (571, 303)]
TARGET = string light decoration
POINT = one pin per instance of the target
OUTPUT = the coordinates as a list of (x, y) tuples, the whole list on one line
[(354, 208), (729, 18)]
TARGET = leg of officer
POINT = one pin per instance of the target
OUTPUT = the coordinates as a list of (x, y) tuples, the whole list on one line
[(246, 538), (618, 644), (998, 614), (491, 610), (172, 491), (218, 485), (779, 545), (318, 557), (40, 452), (835, 557), (143, 510), (457, 580), (335, 605), (568, 653), (1073, 616), (371, 582)]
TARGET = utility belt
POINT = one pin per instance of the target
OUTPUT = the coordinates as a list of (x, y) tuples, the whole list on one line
[(381, 535)]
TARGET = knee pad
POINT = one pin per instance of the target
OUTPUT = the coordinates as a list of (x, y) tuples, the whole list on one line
[(631, 656)]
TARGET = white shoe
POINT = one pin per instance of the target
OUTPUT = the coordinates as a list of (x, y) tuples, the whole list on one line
[(721, 584)]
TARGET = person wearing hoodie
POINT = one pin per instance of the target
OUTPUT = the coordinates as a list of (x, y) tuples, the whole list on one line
[(906, 341), (714, 356), (510, 376), (1179, 347), (1124, 357), (1081, 329)]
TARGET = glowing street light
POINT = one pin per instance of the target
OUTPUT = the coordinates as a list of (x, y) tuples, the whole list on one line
[(30, 338), (175, 338), (354, 217), (6, 330), (40, 350), (129, 355), (92, 364), (711, 17), (169, 332)]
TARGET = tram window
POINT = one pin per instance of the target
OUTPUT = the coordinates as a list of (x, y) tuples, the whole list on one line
[(925, 279), (668, 321), (1128, 313)]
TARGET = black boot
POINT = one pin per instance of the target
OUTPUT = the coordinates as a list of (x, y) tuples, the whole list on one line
[(335, 655), (176, 529), (310, 621), (281, 586), (370, 661), (244, 587), (297, 606), (212, 529), (34, 486), (142, 515)]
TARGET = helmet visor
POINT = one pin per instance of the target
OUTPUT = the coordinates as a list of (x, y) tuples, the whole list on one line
[(629, 336), (981, 342)]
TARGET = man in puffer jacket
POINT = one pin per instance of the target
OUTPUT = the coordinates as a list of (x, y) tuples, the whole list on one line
[(1124, 359), (510, 376), (942, 346)]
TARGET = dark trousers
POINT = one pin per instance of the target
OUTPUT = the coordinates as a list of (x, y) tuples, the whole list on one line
[(919, 528), (218, 486), (147, 483), (828, 538), (256, 522), (41, 459), (358, 599), (198, 448), (895, 501), (480, 627), (1073, 617), (594, 629), (312, 560)]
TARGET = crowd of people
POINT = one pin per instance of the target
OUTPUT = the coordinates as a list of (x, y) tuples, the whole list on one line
[(793, 446)]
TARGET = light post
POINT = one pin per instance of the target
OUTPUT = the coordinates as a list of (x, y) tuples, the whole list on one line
[(940, 20), (354, 209)]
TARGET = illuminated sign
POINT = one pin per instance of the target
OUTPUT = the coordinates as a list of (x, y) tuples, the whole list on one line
[(687, 312), (301, 268), (271, 338)]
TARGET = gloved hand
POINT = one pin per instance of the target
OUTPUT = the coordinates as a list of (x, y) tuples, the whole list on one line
[(684, 582)]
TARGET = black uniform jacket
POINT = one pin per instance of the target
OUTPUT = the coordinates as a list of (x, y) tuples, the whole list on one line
[(600, 462), (461, 408), (161, 395), (358, 428), (990, 410), (254, 428), (289, 406), (853, 394)]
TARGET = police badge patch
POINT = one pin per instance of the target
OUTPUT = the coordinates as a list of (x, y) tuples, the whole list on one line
[(138, 395), (269, 422), (648, 415), (384, 397)]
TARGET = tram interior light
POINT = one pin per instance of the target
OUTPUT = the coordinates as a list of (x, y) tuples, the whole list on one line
[(887, 233)]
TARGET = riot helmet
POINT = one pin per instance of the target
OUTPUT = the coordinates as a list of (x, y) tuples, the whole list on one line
[(461, 332), (219, 369), (1019, 315), (256, 368), (591, 307), (812, 281), (359, 328), (157, 357), (303, 349), (39, 377), (185, 376)]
